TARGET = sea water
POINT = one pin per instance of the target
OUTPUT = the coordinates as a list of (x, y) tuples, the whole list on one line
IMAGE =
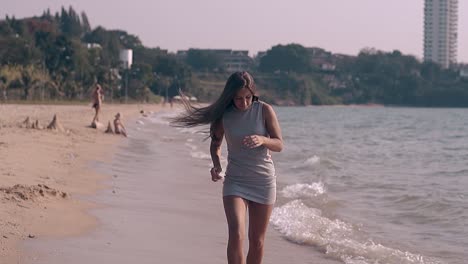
[(370, 184)]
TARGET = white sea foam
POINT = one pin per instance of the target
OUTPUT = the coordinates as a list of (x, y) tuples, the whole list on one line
[(303, 190), (139, 122), (309, 162), (162, 117), (312, 160), (304, 225)]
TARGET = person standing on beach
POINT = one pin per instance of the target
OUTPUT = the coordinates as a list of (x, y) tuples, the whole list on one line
[(252, 130), (97, 98)]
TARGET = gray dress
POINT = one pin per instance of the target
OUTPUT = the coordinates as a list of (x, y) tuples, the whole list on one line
[(250, 173)]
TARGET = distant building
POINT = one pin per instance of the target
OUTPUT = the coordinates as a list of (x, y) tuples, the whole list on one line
[(260, 54), (93, 46), (321, 59), (237, 60), (328, 67), (182, 54), (126, 58), (258, 57), (440, 31)]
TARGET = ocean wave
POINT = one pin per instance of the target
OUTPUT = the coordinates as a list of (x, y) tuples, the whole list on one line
[(304, 225), (308, 163), (312, 160), (303, 190)]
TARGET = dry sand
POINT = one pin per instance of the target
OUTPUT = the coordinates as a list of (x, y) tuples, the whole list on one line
[(42, 170)]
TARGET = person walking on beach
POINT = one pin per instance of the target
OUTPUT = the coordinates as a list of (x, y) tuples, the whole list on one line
[(97, 98), (252, 130)]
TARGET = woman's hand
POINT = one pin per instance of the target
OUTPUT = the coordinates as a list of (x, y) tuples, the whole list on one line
[(253, 141), (215, 174)]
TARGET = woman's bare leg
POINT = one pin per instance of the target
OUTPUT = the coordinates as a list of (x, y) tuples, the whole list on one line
[(98, 110), (259, 216), (96, 113), (235, 209)]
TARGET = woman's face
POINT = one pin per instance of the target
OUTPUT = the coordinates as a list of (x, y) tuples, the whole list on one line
[(243, 99)]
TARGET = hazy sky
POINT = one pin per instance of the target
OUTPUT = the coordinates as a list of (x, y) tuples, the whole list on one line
[(340, 26)]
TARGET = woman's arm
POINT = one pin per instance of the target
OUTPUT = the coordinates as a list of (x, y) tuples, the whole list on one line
[(275, 141), (215, 150)]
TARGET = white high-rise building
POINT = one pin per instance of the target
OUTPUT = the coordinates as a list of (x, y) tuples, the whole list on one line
[(440, 31)]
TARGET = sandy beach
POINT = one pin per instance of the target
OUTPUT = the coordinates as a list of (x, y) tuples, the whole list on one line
[(118, 199), (42, 170)]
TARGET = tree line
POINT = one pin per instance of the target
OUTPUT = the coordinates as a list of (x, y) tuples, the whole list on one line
[(61, 57)]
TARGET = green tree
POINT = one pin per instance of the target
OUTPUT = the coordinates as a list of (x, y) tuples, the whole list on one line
[(203, 60), (8, 74), (86, 26), (286, 58), (17, 50), (70, 23)]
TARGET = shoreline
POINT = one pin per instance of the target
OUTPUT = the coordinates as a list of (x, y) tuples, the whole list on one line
[(161, 205), (89, 218), (44, 172)]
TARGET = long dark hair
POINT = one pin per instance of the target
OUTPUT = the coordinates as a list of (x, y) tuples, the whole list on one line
[(212, 114)]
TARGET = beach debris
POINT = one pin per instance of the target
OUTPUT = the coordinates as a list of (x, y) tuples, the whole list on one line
[(30, 192), (109, 129), (96, 125), (27, 123), (31, 236), (36, 125), (55, 124)]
